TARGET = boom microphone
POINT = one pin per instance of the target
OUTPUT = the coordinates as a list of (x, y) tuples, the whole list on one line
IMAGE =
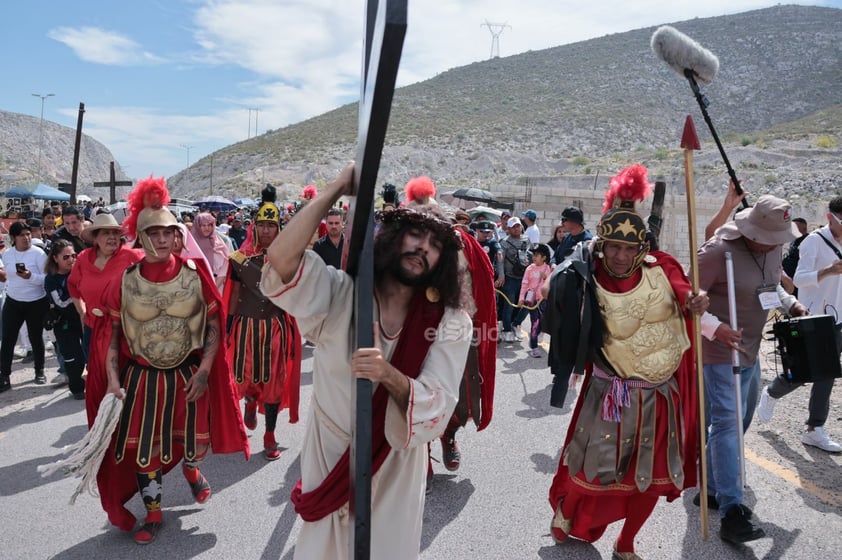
[(683, 53), (692, 61)]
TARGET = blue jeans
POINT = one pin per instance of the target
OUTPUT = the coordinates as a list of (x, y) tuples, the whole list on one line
[(512, 315), (723, 455)]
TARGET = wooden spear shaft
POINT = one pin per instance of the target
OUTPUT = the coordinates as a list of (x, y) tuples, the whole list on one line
[(690, 142)]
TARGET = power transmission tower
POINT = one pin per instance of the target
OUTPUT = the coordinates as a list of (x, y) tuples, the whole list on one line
[(496, 29), (256, 112)]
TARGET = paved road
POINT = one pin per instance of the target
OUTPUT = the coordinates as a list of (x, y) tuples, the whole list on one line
[(494, 507)]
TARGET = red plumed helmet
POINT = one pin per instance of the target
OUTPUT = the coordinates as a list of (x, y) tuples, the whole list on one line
[(148, 193), (629, 185), (310, 192), (418, 187)]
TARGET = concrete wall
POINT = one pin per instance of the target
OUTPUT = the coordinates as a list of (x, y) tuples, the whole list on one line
[(549, 196)]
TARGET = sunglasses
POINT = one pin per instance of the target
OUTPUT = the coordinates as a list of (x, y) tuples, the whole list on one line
[(68, 257), (837, 218)]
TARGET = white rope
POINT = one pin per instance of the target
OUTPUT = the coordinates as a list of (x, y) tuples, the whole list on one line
[(86, 455)]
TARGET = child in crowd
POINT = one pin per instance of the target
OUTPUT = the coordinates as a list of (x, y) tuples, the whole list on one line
[(530, 293)]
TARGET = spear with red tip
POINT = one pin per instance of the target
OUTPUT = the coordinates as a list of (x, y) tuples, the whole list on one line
[(690, 142)]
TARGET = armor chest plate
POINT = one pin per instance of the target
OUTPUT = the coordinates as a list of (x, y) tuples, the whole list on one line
[(163, 322), (251, 301), (645, 332)]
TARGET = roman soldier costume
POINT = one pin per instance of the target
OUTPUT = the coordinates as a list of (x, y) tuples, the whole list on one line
[(167, 316), (264, 350), (633, 435)]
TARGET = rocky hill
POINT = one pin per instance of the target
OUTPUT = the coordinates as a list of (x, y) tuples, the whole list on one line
[(19, 136), (587, 108), (560, 118)]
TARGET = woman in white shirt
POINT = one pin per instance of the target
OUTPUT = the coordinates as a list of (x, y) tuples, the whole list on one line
[(26, 301)]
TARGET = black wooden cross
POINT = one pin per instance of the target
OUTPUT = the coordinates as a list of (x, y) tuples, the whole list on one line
[(112, 184), (384, 34)]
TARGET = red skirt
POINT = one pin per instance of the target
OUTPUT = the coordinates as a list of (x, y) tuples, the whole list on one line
[(598, 504), (157, 423), (258, 361)]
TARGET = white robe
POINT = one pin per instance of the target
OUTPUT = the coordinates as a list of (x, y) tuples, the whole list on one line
[(321, 300)]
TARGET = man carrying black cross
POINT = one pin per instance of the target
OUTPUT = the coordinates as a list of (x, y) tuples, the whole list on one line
[(421, 341)]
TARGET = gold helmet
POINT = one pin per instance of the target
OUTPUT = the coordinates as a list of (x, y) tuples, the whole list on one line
[(268, 211), (147, 207), (620, 221)]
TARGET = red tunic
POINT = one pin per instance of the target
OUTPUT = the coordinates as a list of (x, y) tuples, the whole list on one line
[(222, 417), (598, 505), (256, 344)]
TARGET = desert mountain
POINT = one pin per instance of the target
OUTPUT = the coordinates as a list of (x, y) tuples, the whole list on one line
[(585, 108), (19, 138), (562, 117)]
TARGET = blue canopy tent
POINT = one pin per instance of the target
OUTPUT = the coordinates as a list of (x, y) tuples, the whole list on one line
[(39, 191)]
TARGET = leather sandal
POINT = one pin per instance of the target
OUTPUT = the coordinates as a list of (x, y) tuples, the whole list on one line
[(201, 489), (617, 555), (270, 447), (250, 414), (560, 527), (147, 532)]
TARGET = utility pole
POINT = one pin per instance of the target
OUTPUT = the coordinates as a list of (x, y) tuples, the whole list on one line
[(186, 147), (496, 30), (41, 129)]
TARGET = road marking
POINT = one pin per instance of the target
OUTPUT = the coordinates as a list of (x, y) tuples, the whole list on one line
[(826, 496)]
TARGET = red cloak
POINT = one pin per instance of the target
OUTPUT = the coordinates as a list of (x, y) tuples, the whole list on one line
[(485, 324), (117, 482), (595, 511)]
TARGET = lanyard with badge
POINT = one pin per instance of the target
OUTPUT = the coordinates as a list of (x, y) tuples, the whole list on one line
[(767, 294)]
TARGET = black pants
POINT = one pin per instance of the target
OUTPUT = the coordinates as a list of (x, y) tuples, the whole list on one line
[(69, 338), (15, 313)]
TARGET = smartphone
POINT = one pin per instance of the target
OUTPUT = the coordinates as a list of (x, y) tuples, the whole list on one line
[(20, 267)]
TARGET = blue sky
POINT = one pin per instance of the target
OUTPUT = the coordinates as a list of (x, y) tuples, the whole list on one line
[(156, 76)]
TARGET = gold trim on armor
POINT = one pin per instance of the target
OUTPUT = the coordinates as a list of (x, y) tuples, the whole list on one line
[(645, 334), (163, 322), (157, 435), (604, 450)]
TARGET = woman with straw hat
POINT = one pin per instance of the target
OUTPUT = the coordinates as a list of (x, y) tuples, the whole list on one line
[(94, 269)]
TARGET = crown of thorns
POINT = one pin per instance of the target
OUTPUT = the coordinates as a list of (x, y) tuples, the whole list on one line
[(442, 230)]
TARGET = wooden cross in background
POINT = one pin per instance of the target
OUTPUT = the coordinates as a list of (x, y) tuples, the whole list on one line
[(112, 185)]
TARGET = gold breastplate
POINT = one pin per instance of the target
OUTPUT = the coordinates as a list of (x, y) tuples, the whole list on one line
[(163, 322), (645, 334)]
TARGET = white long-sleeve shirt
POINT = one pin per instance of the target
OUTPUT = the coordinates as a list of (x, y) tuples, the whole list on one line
[(21, 289), (821, 297)]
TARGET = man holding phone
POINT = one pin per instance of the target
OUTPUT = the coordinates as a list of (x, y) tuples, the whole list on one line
[(26, 301)]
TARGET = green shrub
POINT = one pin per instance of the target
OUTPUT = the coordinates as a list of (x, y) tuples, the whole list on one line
[(825, 141), (580, 160)]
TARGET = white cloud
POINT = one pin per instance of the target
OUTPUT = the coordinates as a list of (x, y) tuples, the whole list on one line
[(299, 58), (99, 46)]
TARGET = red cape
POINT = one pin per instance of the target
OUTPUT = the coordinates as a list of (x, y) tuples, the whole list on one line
[(596, 512), (485, 324), (117, 482)]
